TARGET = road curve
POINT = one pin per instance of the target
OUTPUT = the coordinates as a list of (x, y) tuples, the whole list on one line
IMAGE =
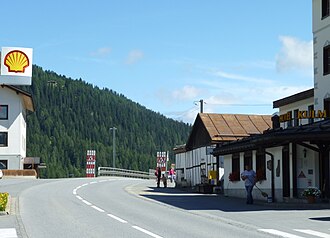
[(113, 207)]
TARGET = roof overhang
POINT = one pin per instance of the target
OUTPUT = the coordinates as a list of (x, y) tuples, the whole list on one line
[(27, 97), (316, 133)]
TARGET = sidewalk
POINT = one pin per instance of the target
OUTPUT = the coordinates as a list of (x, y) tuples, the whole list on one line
[(190, 200)]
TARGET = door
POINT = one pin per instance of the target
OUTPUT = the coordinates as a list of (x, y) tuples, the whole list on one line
[(286, 171)]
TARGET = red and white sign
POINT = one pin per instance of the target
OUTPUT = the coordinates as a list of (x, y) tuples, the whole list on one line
[(90, 163), (162, 158)]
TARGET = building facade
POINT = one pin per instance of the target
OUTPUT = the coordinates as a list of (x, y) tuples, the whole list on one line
[(321, 41), (195, 163), (15, 104), (295, 151)]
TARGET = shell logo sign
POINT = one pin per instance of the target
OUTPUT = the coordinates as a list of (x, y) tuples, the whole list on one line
[(16, 66), (16, 61)]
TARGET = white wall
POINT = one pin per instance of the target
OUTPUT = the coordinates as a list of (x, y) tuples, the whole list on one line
[(308, 166), (191, 161), (321, 36), (16, 128)]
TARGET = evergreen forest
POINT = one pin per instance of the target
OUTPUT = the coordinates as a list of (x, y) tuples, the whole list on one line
[(72, 116)]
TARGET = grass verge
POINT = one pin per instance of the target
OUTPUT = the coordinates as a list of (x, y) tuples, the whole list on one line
[(3, 201)]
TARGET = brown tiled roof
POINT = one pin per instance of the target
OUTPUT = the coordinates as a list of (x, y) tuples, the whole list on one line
[(229, 127)]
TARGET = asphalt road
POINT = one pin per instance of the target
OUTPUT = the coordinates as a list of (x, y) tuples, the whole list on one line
[(118, 207)]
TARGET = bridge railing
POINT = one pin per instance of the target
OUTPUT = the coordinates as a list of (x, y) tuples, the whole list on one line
[(109, 171)]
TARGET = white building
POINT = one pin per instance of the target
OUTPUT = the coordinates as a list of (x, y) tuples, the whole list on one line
[(321, 40), (296, 150), (15, 104), (195, 163)]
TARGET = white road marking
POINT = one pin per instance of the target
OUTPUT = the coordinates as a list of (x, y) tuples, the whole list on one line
[(314, 233), (117, 218), (101, 210), (86, 202), (80, 198), (146, 232), (97, 208), (280, 233), (8, 233)]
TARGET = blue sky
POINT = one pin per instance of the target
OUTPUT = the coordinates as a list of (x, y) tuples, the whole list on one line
[(238, 56)]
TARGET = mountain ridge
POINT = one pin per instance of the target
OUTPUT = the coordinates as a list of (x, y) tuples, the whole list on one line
[(73, 116)]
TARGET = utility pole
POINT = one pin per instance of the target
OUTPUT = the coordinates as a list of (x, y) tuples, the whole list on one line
[(113, 129), (201, 105)]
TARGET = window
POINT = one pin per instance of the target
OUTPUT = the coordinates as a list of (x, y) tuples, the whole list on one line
[(325, 8), (310, 109), (295, 118), (235, 174), (248, 159), (3, 112), (327, 107), (3, 164), (3, 139), (326, 60), (261, 165), (289, 123)]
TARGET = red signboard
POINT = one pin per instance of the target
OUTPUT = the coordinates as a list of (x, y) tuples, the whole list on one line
[(162, 158), (90, 163)]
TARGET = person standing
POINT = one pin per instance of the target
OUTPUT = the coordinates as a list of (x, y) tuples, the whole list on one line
[(158, 174), (171, 172), (164, 179), (249, 176)]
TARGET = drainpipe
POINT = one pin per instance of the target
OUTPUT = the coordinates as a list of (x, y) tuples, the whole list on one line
[(272, 176)]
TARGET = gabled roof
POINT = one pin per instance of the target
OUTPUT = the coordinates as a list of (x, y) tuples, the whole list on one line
[(212, 128), (227, 127), (27, 97)]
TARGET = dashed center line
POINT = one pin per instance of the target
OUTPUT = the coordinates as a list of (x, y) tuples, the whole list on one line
[(314, 233), (146, 232), (97, 208), (86, 202), (110, 215), (117, 218), (280, 233)]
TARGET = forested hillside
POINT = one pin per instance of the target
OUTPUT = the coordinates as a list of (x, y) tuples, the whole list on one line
[(73, 116)]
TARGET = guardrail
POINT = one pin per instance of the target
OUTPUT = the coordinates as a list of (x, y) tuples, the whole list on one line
[(109, 171)]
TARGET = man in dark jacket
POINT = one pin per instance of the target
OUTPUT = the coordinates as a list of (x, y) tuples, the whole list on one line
[(158, 174)]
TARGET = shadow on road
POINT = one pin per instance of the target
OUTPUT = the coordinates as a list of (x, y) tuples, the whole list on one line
[(196, 201)]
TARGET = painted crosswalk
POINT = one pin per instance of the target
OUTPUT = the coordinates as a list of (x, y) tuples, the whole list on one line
[(299, 233), (8, 233)]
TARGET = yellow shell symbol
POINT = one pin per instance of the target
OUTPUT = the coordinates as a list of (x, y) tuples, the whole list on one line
[(16, 61)]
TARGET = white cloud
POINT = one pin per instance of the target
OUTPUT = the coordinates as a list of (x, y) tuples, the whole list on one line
[(238, 77), (101, 52), (186, 93), (134, 56), (295, 54)]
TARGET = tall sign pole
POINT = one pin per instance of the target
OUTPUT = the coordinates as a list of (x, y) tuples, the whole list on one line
[(90, 163), (162, 158), (113, 146)]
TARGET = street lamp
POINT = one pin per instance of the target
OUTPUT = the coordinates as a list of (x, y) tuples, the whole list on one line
[(113, 129)]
